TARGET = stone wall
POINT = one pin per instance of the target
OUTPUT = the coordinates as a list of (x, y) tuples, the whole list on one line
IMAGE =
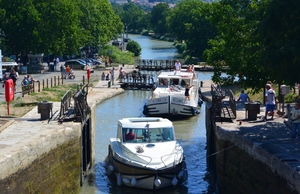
[(55, 172), (235, 169), (238, 172)]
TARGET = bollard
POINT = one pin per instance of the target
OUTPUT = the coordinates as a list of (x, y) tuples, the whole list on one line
[(108, 84), (201, 84)]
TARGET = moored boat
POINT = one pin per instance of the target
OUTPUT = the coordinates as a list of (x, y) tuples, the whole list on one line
[(145, 154), (169, 97)]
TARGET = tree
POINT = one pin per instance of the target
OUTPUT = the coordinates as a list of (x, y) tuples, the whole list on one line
[(158, 18), (280, 41), (188, 22), (236, 46), (134, 47)]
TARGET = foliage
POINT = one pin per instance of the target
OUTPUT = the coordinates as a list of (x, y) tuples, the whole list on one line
[(189, 24), (117, 55), (57, 26), (280, 42), (134, 47), (158, 18), (131, 15), (257, 40)]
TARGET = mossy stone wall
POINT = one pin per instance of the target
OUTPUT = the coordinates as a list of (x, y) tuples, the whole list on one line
[(55, 172)]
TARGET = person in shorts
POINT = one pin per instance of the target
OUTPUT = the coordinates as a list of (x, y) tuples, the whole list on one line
[(270, 97)]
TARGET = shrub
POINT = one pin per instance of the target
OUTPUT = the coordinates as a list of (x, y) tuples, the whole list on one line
[(134, 47)]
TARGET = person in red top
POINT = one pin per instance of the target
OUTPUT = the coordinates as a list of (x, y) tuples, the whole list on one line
[(130, 135)]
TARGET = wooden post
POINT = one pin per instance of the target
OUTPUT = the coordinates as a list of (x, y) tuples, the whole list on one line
[(58, 80), (51, 82), (47, 84)]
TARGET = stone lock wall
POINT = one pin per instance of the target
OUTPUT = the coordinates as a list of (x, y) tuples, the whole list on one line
[(55, 172), (238, 172)]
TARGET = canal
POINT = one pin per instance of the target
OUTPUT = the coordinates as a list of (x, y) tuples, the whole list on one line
[(190, 133)]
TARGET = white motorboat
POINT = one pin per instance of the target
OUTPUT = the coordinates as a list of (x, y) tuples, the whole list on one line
[(168, 97), (149, 159)]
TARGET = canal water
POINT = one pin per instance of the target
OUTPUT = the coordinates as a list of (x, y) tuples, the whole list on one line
[(190, 133)]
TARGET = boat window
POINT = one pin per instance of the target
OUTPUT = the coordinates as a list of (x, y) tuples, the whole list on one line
[(163, 82), (175, 82), (145, 135), (184, 82)]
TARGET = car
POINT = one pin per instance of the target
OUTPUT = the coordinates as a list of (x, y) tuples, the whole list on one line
[(88, 63), (95, 61), (76, 64)]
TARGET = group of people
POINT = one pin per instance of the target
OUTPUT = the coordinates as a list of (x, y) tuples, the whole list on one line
[(28, 80), (13, 74), (111, 75), (270, 102), (66, 71)]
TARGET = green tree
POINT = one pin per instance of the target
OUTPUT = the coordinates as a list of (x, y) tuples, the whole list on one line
[(236, 46), (134, 47), (188, 22), (20, 25), (279, 34), (158, 18), (132, 16)]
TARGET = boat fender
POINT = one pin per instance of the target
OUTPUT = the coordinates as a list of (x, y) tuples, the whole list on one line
[(110, 169), (145, 111), (193, 110), (185, 176), (126, 180), (157, 182), (197, 111), (174, 181), (119, 179), (133, 181), (180, 174)]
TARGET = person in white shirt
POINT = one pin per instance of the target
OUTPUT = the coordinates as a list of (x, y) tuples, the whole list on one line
[(270, 101), (177, 65)]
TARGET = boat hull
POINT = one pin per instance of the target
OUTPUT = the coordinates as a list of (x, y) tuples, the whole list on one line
[(171, 107), (144, 177)]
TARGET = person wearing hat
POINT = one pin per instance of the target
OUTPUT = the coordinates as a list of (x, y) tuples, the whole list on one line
[(295, 116), (270, 98), (243, 97)]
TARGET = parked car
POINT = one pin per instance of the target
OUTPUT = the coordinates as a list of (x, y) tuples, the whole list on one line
[(76, 64), (95, 61), (88, 63)]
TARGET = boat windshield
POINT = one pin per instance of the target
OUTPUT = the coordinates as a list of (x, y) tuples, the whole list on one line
[(148, 135)]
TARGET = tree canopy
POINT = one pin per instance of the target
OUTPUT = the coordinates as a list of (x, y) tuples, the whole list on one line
[(57, 26)]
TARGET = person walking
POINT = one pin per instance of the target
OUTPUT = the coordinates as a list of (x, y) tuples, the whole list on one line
[(270, 100)]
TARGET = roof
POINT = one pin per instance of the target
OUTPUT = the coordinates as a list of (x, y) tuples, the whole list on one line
[(141, 122), (175, 75)]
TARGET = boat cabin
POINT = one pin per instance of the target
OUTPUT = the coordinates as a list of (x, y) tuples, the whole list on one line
[(170, 78), (145, 130)]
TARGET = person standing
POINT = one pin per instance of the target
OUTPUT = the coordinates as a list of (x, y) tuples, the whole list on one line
[(14, 77), (187, 91), (270, 98), (177, 66), (295, 120), (243, 97), (112, 76)]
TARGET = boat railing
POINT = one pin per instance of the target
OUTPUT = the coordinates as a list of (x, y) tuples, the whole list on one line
[(169, 155), (137, 157)]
